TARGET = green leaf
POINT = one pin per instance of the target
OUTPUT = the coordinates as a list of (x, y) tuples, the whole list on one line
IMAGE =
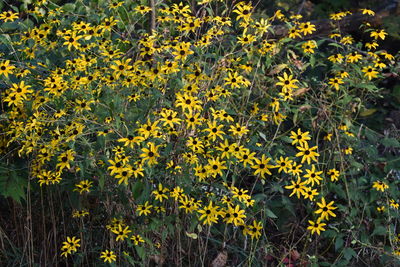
[(368, 112), (371, 136), (13, 185), (140, 251), (286, 139), (270, 214), (137, 189), (312, 61), (69, 7), (192, 235), (349, 253), (339, 243), (9, 26), (335, 45), (262, 136), (390, 142), (5, 39), (123, 14), (101, 181), (380, 230)]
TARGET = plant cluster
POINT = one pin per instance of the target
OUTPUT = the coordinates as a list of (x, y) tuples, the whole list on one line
[(208, 138)]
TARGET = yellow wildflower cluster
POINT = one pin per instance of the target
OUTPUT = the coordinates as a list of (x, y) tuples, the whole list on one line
[(182, 121)]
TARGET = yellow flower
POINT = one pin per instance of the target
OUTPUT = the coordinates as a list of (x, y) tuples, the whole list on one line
[(235, 215), (380, 209), (334, 174), (187, 101), (283, 164), (64, 160), (370, 72), (335, 82), (6, 68), (306, 28), (310, 193), (380, 186), (238, 130), (240, 194), (124, 174), (215, 167), (246, 39), (147, 129), (300, 137), (189, 205), (308, 47), (343, 74), (378, 34), (394, 205), (8, 16), (182, 51), (328, 137), (313, 176), (338, 16), (71, 40), (160, 193), (367, 12), (150, 153), (243, 11), (353, 57), (141, 9), (169, 117), (295, 169), (297, 187), (261, 166), (336, 58), (234, 80), (121, 67), (79, 213), (347, 40), (307, 153), (83, 186), (177, 193), (348, 150), (144, 209), (121, 233), (372, 45), (254, 230), (214, 130), (190, 25), (71, 245), (209, 214), (294, 33), (137, 239), (325, 209), (108, 256), (287, 81), (316, 227)]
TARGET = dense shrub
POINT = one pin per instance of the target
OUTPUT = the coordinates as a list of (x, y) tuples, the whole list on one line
[(192, 135)]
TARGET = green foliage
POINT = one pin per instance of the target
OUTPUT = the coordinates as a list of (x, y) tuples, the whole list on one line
[(214, 137)]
